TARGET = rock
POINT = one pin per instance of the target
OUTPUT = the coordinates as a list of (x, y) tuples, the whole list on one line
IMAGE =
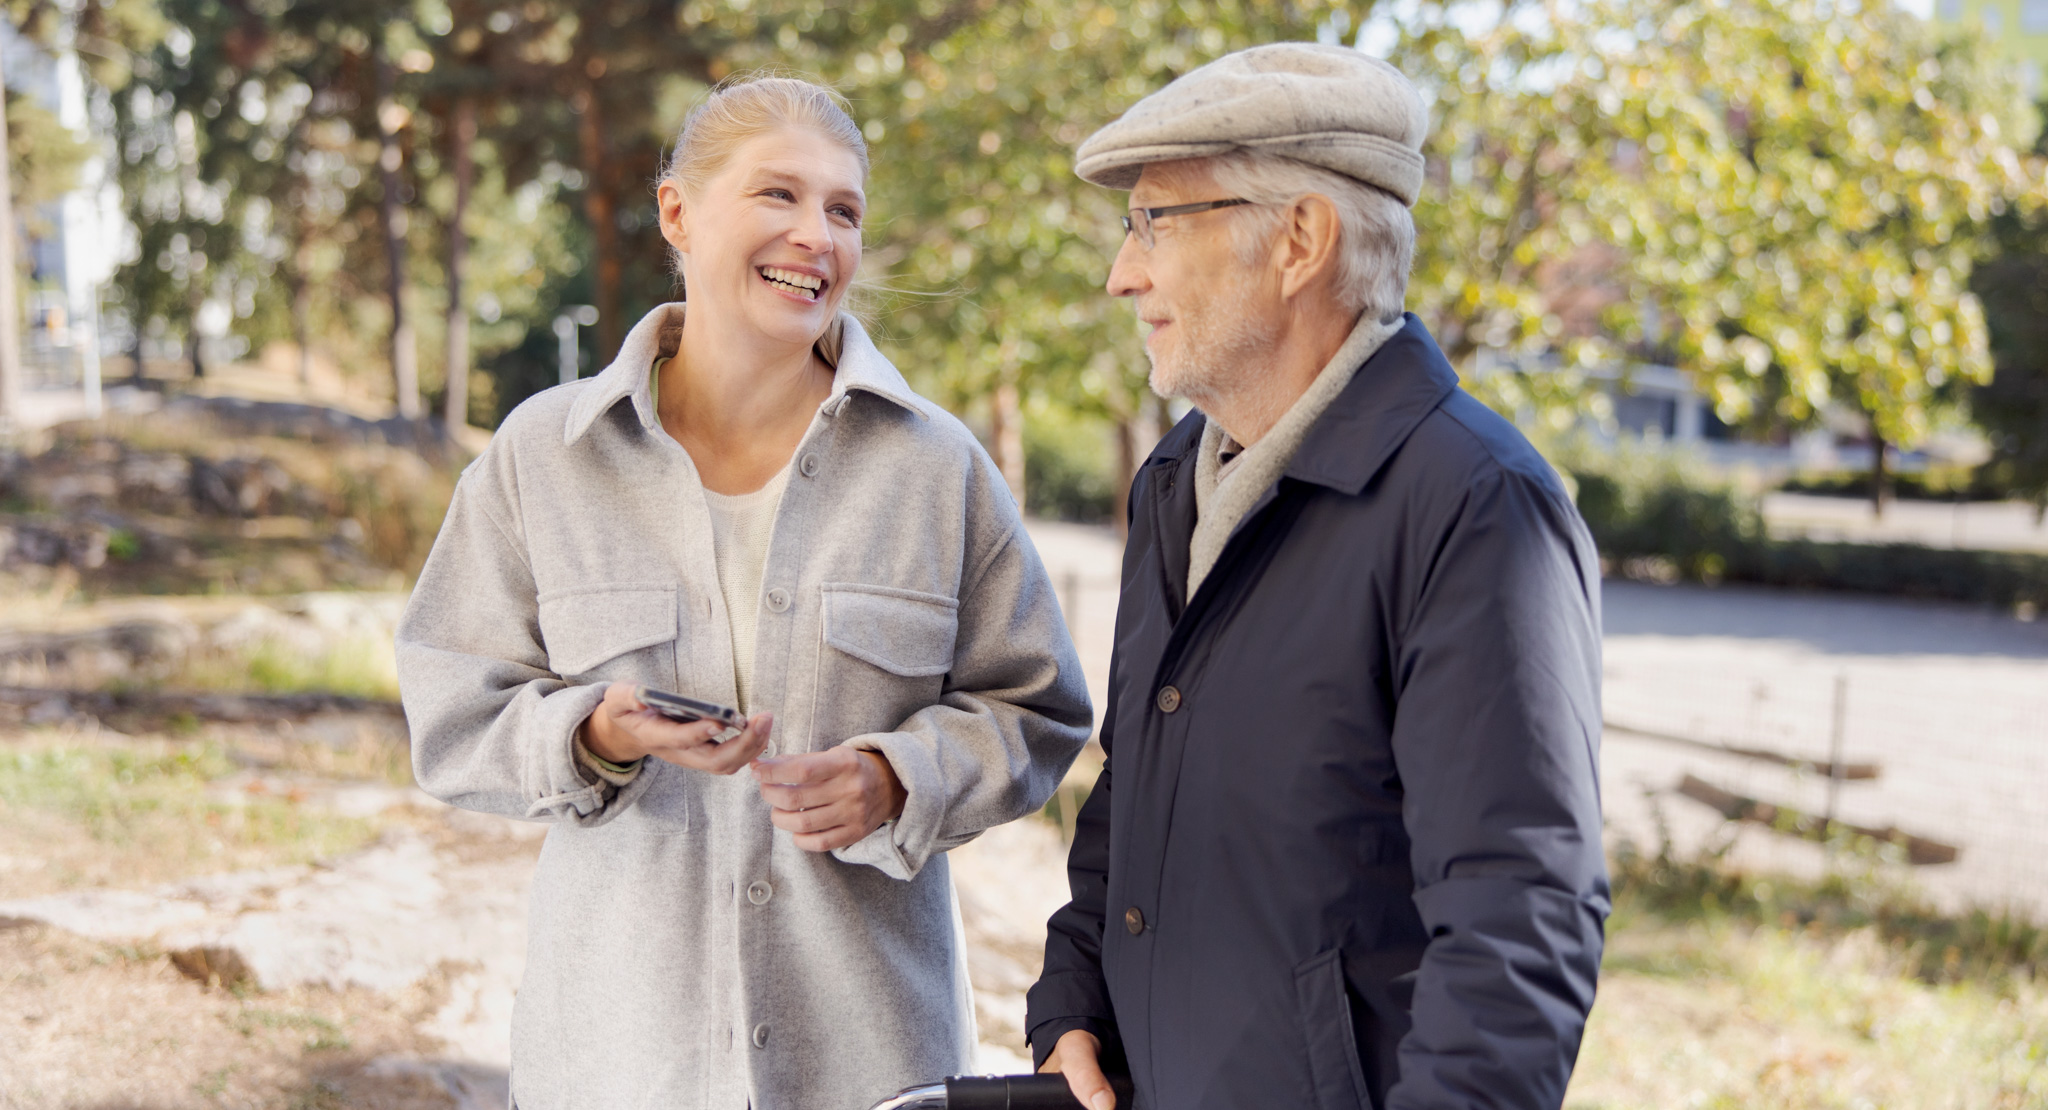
[(384, 918)]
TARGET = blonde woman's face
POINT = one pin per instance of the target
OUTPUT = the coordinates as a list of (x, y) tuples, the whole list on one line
[(772, 239)]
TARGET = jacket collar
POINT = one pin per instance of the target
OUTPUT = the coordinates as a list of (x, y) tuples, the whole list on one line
[(858, 366), (1404, 381)]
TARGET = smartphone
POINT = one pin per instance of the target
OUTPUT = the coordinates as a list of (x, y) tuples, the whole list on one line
[(679, 708)]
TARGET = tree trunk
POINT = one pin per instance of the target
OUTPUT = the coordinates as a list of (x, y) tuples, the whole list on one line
[(1880, 479), (1126, 472), (600, 208), (195, 347), (455, 410), (10, 309), (405, 376), (302, 307), (1006, 430)]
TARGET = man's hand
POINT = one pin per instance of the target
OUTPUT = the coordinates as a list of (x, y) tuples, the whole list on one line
[(622, 730), (1077, 1055), (832, 798)]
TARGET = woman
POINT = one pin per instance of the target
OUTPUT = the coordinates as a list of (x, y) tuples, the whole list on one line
[(749, 507)]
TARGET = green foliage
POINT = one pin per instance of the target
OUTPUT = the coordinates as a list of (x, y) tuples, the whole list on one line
[(1659, 504), (43, 156), (1658, 516), (2012, 407), (1070, 474), (1783, 197)]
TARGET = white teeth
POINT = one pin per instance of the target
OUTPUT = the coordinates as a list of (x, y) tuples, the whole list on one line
[(791, 277)]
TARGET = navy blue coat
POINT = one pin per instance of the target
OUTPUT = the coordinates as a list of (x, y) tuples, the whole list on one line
[(1346, 848)]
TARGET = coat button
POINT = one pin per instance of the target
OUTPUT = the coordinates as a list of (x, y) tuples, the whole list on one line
[(758, 892), (778, 600), (760, 1036), (809, 466), (1134, 918), (1169, 699)]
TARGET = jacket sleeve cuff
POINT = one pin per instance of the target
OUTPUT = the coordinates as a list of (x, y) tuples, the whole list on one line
[(900, 847), (565, 790), (1046, 1036), (601, 769)]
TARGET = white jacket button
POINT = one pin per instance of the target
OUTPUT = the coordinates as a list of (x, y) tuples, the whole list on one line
[(778, 600), (758, 892), (760, 1036), (809, 467)]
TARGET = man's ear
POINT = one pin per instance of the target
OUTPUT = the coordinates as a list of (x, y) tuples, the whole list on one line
[(1308, 242), (669, 203)]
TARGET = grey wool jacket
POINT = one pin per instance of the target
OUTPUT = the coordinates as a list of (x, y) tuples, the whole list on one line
[(682, 951)]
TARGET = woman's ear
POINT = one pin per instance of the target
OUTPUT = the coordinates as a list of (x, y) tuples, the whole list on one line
[(670, 202), (1308, 243)]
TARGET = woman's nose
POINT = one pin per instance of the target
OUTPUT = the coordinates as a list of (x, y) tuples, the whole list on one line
[(813, 232)]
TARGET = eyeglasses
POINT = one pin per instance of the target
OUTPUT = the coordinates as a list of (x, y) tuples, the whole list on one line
[(1139, 221)]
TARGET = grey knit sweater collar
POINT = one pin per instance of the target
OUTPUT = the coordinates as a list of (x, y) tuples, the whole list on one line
[(1225, 493)]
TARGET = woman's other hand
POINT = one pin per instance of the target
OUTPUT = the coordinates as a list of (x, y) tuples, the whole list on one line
[(622, 730), (830, 799)]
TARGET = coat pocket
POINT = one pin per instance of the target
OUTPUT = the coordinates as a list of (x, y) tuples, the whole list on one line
[(885, 656), (587, 627), (904, 632), (1328, 1035)]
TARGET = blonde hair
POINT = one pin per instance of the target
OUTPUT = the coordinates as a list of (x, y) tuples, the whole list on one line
[(739, 108), (742, 107)]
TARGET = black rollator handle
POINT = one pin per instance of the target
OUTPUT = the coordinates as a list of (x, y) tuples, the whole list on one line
[(1046, 1091)]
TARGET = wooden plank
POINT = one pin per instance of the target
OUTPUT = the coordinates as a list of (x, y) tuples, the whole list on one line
[(1853, 772), (1791, 822)]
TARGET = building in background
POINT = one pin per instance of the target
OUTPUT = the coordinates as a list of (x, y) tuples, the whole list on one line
[(69, 246), (2019, 27)]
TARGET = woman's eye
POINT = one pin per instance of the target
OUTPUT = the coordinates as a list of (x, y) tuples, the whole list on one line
[(847, 214), (779, 194)]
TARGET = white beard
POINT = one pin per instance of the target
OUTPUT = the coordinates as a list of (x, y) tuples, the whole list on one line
[(1220, 347)]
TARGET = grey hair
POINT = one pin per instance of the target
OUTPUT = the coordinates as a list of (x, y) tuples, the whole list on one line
[(1377, 242)]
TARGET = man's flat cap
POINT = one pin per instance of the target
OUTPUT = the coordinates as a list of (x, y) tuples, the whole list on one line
[(1328, 106)]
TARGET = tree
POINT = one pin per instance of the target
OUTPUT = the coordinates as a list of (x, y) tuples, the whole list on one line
[(1790, 195), (2012, 407), (997, 253)]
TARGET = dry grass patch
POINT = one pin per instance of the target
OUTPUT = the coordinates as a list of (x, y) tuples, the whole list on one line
[(84, 1025), (77, 813)]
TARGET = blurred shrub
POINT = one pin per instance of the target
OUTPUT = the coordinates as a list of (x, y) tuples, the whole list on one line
[(1068, 472), (1659, 505), (1657, 515), (1940, 483)]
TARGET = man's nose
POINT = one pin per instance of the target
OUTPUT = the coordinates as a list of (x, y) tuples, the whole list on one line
[(1127, 276)]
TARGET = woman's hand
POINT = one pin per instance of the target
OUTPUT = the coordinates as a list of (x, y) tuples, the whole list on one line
[(830, 799), (622, 730)]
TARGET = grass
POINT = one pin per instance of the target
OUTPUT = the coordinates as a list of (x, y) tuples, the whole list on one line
[(142, 813), (1718, 1015), (1980, 945), (1724, 989), (357, 666)]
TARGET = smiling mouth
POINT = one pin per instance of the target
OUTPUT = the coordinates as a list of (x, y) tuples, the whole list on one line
[(806, 286)]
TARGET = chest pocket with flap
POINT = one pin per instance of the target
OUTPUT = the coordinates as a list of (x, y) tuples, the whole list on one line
[(587, 627), (904, 632)]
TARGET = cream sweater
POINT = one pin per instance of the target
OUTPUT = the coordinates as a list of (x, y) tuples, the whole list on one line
[(1230, 477)]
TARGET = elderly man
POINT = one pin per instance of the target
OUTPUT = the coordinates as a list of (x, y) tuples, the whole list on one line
[(1346, 849)]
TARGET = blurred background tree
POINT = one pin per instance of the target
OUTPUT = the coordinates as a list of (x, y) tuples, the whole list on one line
[(1783, 198)]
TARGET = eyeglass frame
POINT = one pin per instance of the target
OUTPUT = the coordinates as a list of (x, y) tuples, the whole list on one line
[(1138, 221)]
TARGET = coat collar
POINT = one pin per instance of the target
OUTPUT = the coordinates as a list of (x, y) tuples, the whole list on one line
[(858, 366), (1404, 381)]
